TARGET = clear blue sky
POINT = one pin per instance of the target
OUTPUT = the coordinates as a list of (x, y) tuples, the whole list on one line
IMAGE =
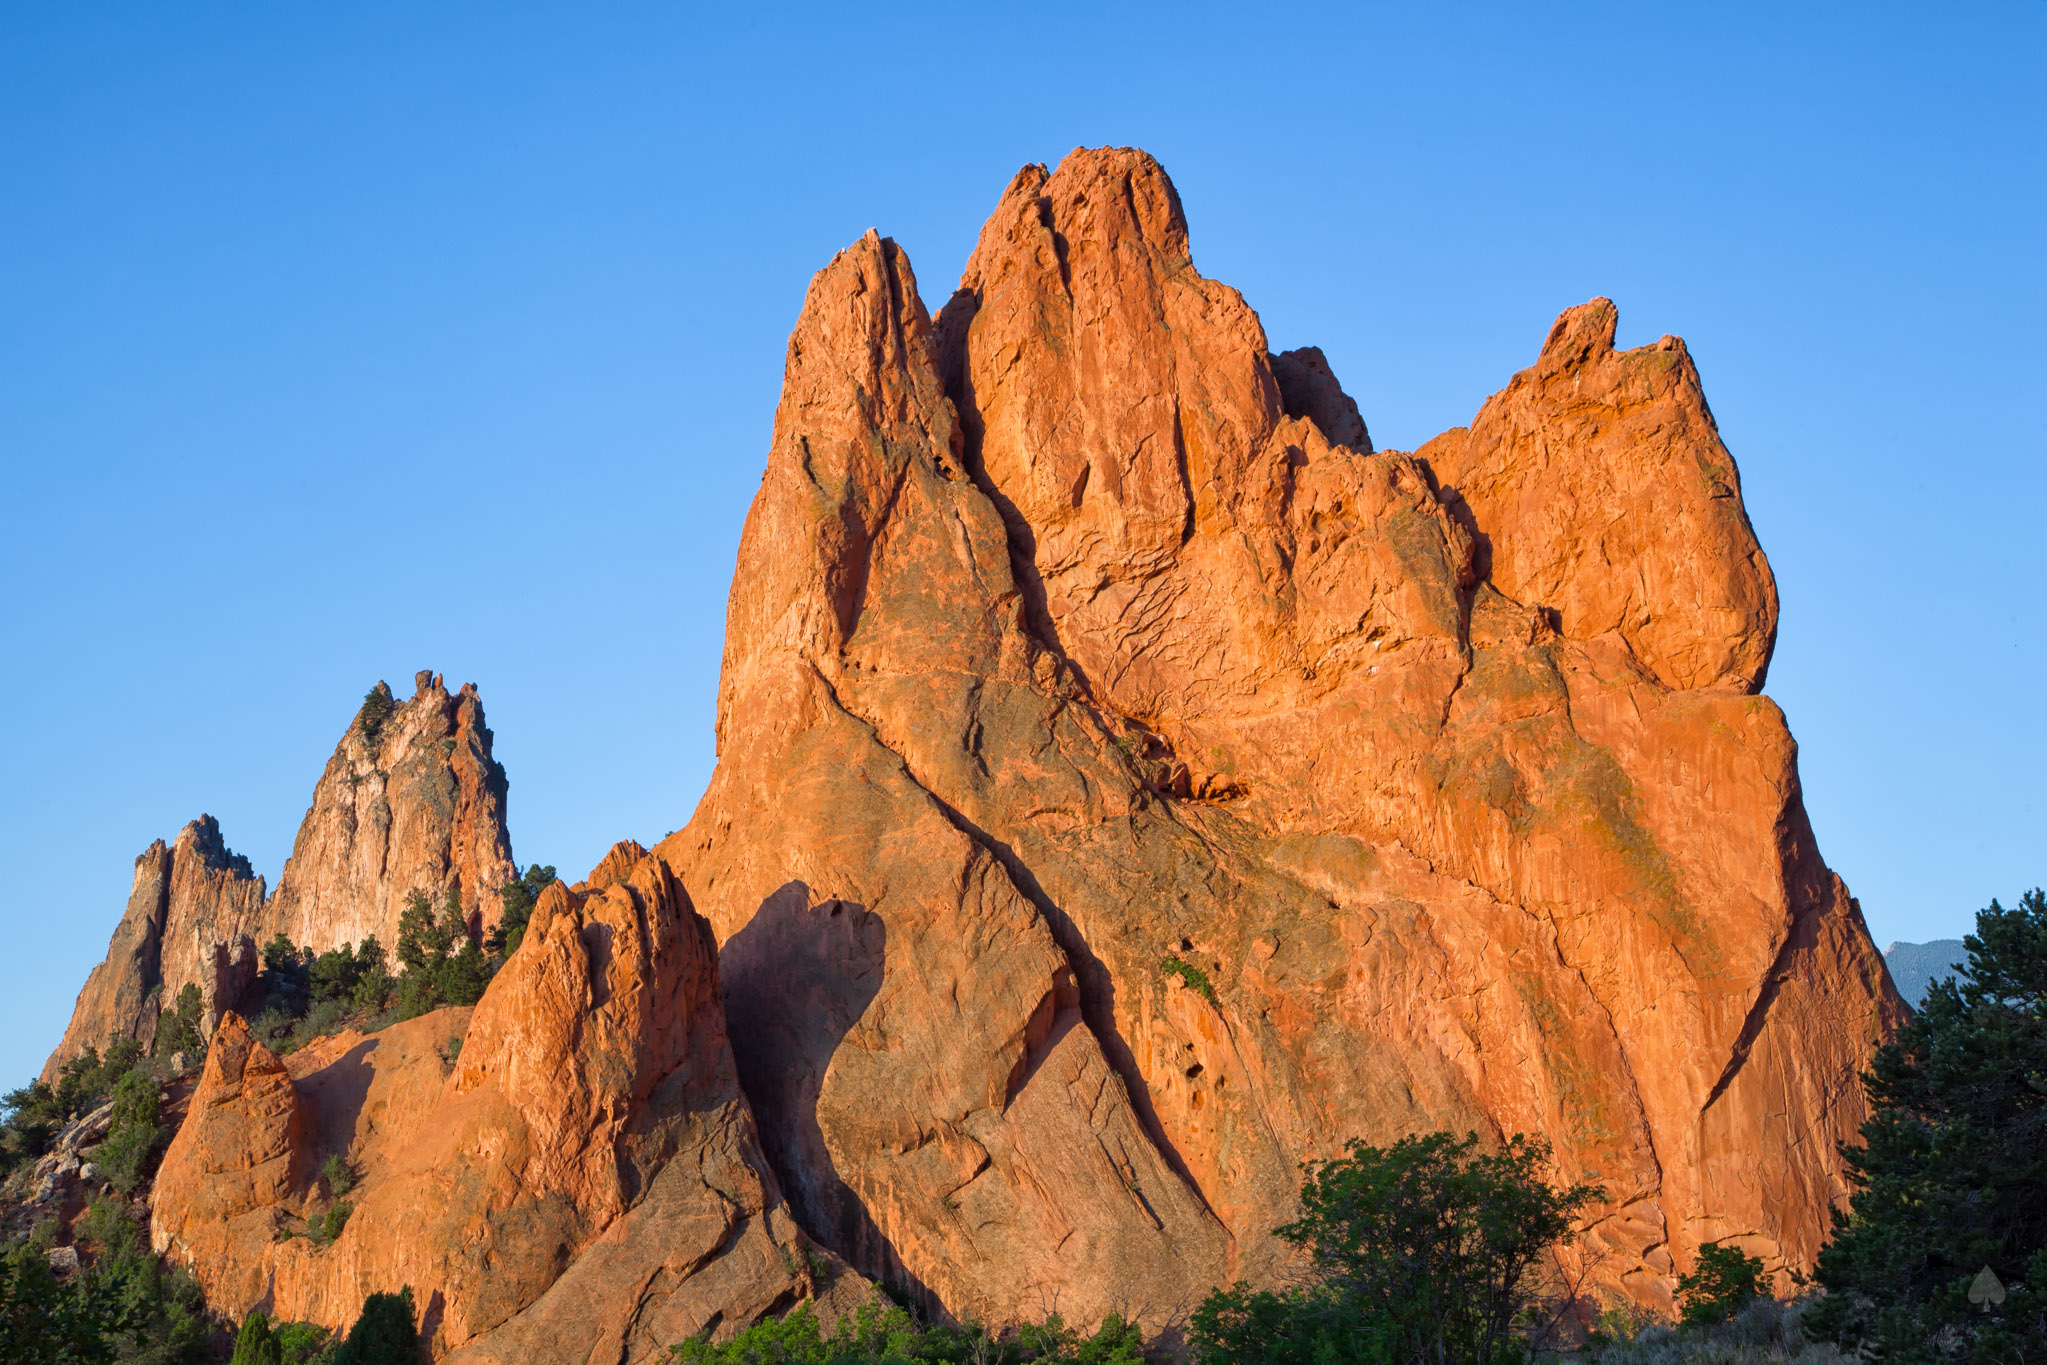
[(338, 341)]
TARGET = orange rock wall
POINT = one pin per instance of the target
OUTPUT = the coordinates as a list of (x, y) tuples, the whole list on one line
[(1067, 643), (1131, 784)]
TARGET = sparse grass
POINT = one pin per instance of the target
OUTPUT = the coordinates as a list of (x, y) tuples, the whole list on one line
[(1767, 1332)]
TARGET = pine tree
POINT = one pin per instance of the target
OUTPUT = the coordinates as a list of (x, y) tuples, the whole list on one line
[(386, 1333), (1952, 1173)]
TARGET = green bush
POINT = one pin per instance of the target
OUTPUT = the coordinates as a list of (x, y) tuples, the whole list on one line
[(42, 1319), (1951, 1174), (255, 1344), (325, 1017), (356, 978), (87, 1079), (880, 1331), (1426, 1251), (29, 1119), (284, 985), (152, 1314), (516, 900), (303, 1343), (386, 1333), (177, 1029), (377, 707), (340, 1179), (443, 964), (1725, 1281), (136, 1137), (1195, 979)]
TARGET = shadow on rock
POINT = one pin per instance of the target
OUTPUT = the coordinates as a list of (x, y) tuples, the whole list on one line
[(796, 980)]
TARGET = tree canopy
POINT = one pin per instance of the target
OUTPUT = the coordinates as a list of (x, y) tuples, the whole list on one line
[(1952, 1174)]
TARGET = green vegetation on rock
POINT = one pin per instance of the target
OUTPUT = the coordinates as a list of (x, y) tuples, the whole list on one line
[(261, 1342), (377, 707), (516, 900), (1192, 976), (177, 1028)]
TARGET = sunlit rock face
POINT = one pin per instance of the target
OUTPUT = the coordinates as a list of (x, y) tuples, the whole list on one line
[(191, 915), (567, 1171), (412, 800), (1132, 784)]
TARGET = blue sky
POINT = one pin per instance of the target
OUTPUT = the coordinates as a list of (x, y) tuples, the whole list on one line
[(341, 341)]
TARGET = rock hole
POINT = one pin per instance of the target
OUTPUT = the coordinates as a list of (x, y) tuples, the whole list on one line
[(1193, 1071)]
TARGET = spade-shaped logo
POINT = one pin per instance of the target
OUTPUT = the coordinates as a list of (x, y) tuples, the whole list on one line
[(1986, 1289)]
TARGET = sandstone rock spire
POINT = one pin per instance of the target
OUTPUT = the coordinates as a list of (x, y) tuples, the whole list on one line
[(188, 922), (411, 801), (1132, 783)]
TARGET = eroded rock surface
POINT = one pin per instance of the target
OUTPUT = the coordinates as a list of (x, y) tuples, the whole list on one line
[(1131, 784), (411, 801), (569, 1168), (189, 918)]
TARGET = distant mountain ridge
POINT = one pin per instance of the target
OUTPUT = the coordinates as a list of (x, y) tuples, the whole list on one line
[(1916, 966)]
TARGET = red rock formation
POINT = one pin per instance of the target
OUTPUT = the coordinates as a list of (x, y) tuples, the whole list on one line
[(584, 1177), (1131, 784), (187, 923), (411, 802)]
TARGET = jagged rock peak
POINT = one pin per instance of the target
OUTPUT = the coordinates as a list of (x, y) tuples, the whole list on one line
[(1641, 534), (189, 919), (1074, 634), (412, 800)]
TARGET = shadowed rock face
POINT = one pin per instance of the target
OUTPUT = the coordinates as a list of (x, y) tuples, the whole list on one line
[(583, 1177), (188, 923), (1152, 785)]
